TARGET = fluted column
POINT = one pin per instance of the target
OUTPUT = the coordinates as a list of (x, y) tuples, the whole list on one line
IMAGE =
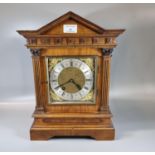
[(37, 77), (105, 79)]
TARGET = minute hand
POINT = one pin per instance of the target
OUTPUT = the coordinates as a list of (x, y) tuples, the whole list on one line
[(63, 84)]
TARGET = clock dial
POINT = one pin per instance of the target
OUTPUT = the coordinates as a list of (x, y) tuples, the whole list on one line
[(71, 79)]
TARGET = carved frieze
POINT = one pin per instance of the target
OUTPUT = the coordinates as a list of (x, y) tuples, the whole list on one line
[(69, 41)]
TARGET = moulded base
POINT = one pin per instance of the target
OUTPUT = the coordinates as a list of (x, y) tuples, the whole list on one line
[(96, 133)]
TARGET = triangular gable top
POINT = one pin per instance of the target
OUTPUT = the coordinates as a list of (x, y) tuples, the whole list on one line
[(70, 15)]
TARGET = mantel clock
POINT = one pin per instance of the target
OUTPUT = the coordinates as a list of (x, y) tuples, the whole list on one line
[(71, 63)]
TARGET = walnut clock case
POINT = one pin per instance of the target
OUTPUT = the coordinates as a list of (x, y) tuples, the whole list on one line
[(71, 62)]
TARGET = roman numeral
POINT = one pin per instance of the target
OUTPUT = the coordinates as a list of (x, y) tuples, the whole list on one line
[(63, 94), (80, 94), (62, 65), (54, 80), (86, 88), (86, 72), (80, 65), (56, 87), (71, 63), (56, 72), (88, 79), (71, 96)]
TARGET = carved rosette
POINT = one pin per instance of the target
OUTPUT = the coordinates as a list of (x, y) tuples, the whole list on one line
[(107, 52), (35, 52)]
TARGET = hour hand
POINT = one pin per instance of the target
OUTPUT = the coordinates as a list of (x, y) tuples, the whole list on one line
[(77, 85)]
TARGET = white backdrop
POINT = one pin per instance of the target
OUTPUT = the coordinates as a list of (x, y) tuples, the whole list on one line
[(132, 93)]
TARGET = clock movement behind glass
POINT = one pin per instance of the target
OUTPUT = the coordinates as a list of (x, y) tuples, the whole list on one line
[(71, 63)]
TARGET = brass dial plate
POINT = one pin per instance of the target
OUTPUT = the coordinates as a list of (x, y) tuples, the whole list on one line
[(73, 74)]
